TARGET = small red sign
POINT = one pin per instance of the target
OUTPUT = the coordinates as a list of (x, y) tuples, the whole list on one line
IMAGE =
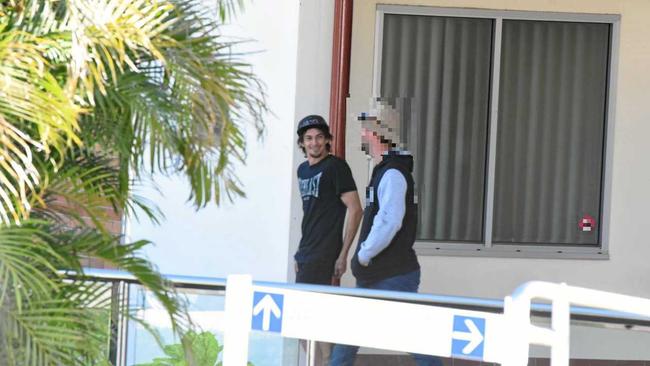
[(587, 223)]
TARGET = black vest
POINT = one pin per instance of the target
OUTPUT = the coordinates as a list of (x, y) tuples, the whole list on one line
[(399, 257)]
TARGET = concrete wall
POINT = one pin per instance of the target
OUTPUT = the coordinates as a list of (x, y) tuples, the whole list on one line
[(314, 69), (627, 270), (250, 235)]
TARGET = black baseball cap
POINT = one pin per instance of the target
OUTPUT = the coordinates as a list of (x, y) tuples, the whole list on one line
[(312, 121)]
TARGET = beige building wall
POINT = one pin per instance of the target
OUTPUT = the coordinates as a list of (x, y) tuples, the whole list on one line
[(314, 67), (627, 270)]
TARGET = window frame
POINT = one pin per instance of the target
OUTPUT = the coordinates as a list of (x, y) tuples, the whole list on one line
[(487, 248)]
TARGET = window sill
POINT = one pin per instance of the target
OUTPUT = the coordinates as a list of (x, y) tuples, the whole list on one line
[(423, 248)]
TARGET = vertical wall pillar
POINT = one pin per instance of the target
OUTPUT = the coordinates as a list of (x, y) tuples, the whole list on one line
[(340, 84)]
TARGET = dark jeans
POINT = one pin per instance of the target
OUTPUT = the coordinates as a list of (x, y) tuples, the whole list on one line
[(344, 355), (316, 273)]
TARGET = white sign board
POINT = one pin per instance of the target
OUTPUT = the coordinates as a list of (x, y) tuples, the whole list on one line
[(399, 326), (382, 324)]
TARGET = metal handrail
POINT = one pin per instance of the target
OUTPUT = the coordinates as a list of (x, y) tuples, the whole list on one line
[(586, 314)]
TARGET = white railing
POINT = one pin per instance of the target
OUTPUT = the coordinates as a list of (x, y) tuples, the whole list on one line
[(518, 315), (313, 312)]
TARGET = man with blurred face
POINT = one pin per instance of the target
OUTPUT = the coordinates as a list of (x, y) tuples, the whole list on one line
[(328, 191), (384, 257)]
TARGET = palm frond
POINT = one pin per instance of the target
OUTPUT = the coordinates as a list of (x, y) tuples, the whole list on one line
[(105, 37), (60, 331), (31, 93), (57, 321), (35, 113), (125, 257), (110, 35), (18, 174), (228, 8), (71, 327), (187, 114), (87, 188), (220, 104), (42, 320), (151, 85), (27, 263)]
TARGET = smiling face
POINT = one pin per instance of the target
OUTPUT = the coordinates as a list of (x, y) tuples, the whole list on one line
[(315, 141)]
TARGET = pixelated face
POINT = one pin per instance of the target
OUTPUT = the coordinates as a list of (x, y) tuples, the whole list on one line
[(371, 142), (379, 129), (315, 143)]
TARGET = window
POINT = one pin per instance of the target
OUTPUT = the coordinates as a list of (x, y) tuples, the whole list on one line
[(509, 125)]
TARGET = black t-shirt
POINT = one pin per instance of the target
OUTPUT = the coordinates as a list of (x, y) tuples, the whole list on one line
[(321, 186)]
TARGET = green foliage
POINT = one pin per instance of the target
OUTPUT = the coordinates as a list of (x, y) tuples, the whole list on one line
[(151, 81), (205, 350), (96, 95), (47, 320)]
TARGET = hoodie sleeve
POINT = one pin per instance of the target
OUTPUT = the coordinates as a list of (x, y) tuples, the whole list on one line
[(391, 194)]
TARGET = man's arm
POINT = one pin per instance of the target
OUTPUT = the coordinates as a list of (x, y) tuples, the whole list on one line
[(354, 213), (391, 194)]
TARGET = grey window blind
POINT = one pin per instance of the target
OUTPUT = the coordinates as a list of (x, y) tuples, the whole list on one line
[(550, 131), (550, 125), (443, 65)]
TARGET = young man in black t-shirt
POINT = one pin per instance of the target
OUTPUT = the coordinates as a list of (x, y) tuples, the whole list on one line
[(328, 191)]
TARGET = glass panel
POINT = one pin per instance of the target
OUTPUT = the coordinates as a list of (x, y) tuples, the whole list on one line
[(206, 310), (442, 65), (599, 343), (272, 349), (552, 96)]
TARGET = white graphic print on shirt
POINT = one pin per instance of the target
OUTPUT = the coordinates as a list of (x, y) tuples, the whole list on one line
[(309, 187)]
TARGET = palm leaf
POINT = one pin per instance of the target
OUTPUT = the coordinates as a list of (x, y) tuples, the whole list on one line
[(31, 93), (18, 175), (124, 256), (43, 321), (217, 106), (27, 263), (57, 321), (111, 35), (151, 82), (85, 189), (69, 328), (31, 104), (187, 114)]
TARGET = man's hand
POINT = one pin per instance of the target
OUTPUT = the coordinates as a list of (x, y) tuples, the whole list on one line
[(364, 263), (295, 266), (353, 217), (361, 258), (340, 266)]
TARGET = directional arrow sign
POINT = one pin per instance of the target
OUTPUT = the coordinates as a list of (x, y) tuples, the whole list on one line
[(389, 325), (267, 312), (467, 337)]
